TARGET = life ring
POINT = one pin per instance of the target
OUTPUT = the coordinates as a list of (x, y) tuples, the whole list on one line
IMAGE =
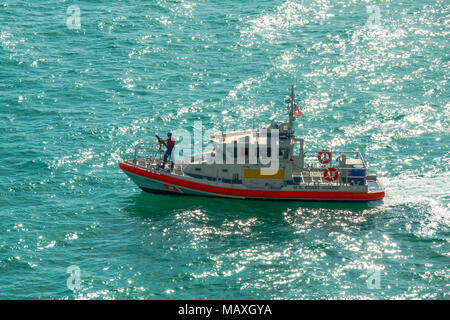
[(324, 156), (331, 174)]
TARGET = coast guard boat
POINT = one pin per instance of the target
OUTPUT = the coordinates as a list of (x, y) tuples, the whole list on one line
[(323, 175)]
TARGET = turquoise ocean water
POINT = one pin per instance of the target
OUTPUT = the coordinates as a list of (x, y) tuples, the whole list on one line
[(74, 101)]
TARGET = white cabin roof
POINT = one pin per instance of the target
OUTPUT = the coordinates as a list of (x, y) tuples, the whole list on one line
[(242, 135)]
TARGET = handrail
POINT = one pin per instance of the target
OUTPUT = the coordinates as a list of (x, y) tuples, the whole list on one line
[(141, 147), (345, 172), (356, 153)]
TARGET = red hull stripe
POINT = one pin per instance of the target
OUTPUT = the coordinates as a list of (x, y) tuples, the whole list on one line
[(252, 193)]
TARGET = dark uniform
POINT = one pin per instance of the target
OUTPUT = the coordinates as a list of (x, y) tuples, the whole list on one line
[(170, 144)]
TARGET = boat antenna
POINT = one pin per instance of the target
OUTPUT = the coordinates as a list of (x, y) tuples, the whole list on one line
[(291, 109), (253, 122)]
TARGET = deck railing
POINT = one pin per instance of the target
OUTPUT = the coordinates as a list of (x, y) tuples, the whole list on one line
[(316, 169), (357, 155), (148, 151)]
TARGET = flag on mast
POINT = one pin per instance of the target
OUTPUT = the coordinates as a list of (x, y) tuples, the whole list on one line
[(298, 112)]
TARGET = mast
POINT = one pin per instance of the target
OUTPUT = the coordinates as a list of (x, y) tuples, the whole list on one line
[(291, 110)]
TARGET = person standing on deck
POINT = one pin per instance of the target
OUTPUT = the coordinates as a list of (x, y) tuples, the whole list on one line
[(170, 144)]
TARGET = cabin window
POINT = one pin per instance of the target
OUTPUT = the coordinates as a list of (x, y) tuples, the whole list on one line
[(269, 152), (226, 150), (244, 152), (284, 153), (268, 155)]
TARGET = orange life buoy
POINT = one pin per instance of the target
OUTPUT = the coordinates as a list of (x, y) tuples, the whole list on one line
[(331, 174), (324, 156)]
